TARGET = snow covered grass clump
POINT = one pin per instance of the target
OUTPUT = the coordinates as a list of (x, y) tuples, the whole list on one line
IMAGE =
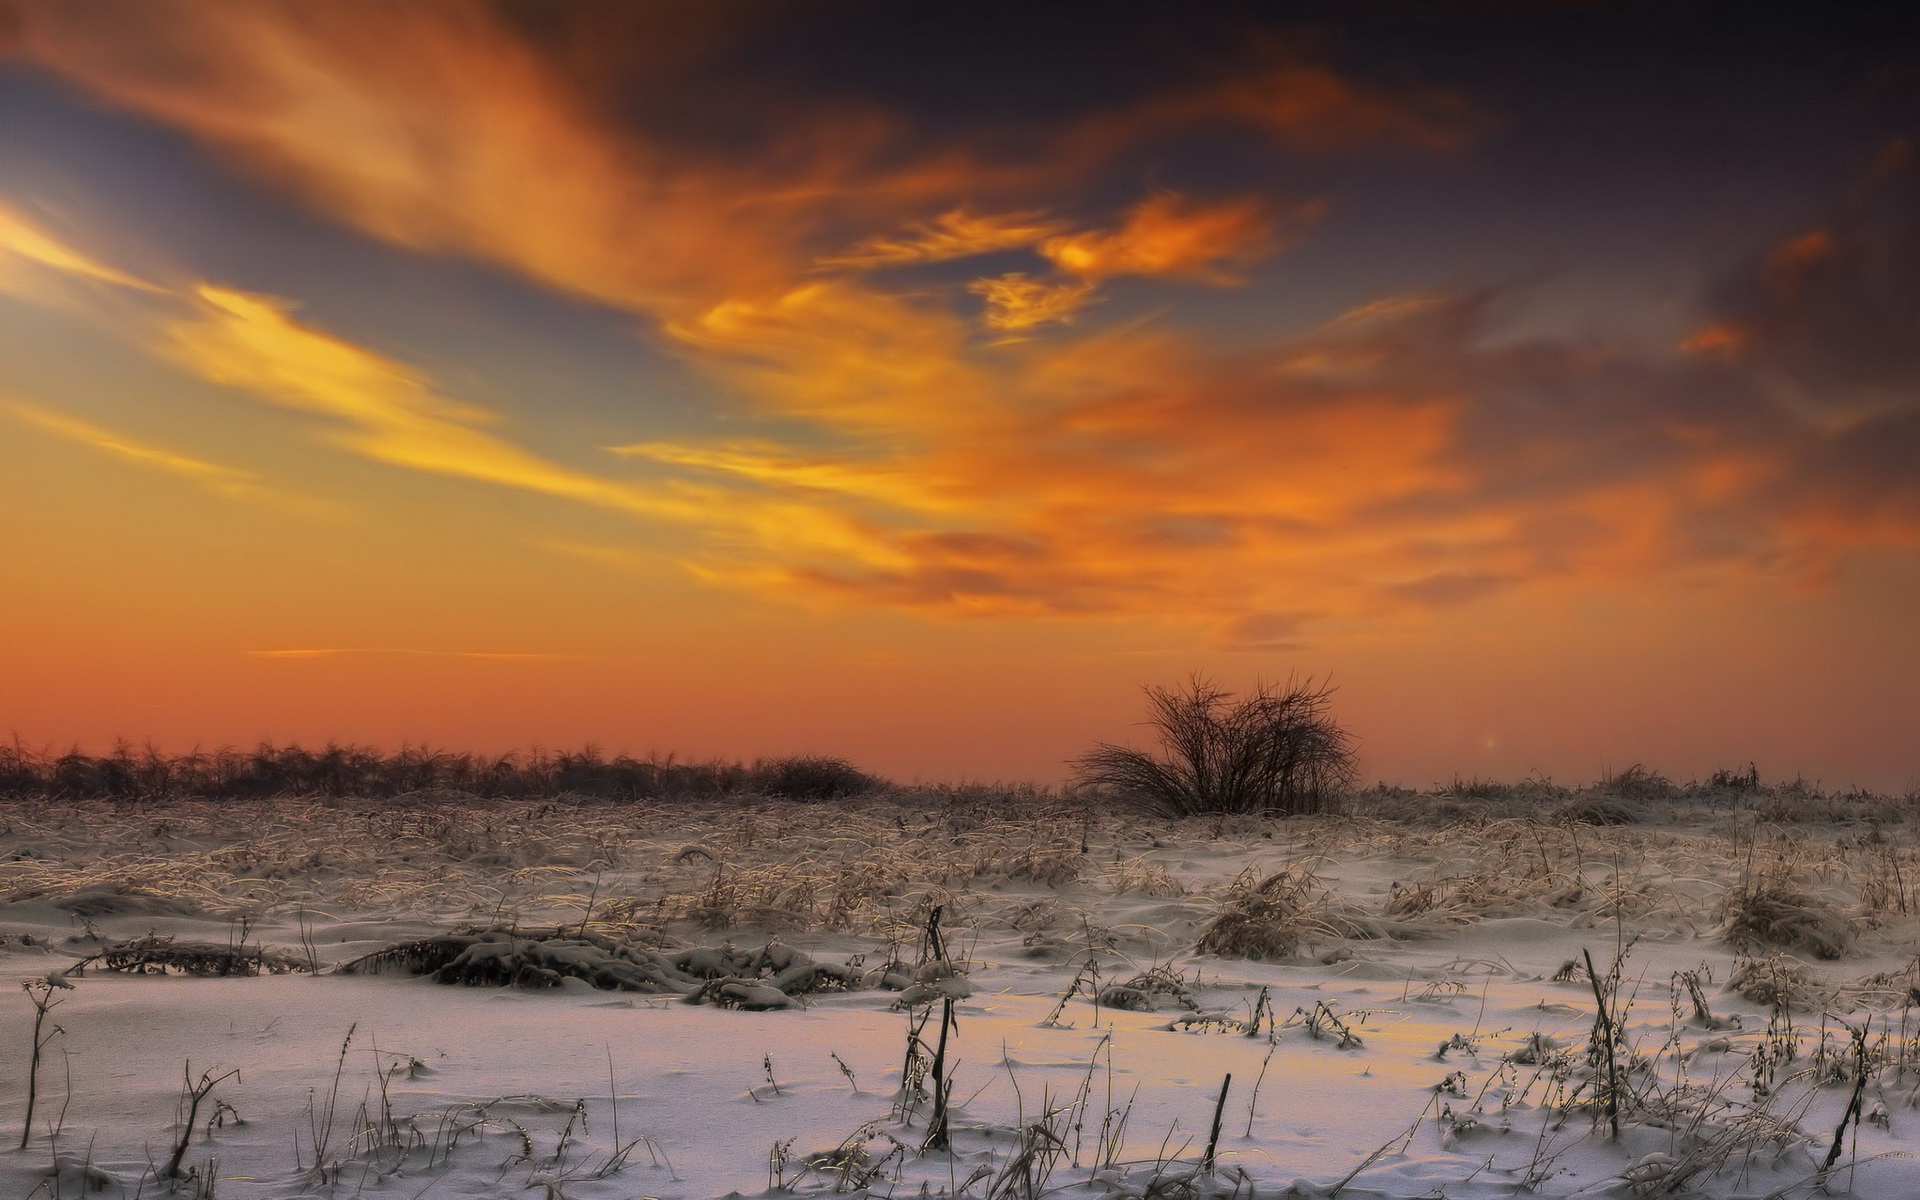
[(1770, 913), (1276, 917)]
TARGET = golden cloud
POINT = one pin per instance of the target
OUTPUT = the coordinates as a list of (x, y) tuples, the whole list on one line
[(1389, 460), (1168, 236), (229, 483), (438, 127), (382, 408), (955, 234), (1016, 303), (25, 246)]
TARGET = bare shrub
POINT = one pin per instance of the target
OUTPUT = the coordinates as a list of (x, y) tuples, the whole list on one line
[(811, 777), (1276, 750)]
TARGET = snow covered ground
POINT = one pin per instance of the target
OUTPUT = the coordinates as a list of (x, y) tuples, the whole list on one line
[(1422, 1025)]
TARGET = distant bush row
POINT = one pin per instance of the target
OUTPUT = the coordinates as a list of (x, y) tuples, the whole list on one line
[(228, 774)]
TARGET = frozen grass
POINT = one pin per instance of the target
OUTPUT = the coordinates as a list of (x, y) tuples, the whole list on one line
[(161, 954), (768, 977), (1277, 917), (657, 870), (1400, 923), (1770, 913)]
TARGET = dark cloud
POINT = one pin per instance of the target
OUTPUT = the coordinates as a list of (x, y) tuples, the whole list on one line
[(1832, 312)]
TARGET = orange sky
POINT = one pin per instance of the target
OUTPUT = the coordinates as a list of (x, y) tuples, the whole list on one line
[(491, 378)]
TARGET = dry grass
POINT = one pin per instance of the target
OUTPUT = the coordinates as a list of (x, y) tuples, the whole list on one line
[(1277, 917), (1768, 913), (765, 978), (160, 954), (652, 871)]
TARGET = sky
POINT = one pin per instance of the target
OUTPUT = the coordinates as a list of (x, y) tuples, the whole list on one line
[(915, 383)]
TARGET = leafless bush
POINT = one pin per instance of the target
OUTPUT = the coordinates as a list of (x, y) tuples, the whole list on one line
[(1276, 750), (812, 777)]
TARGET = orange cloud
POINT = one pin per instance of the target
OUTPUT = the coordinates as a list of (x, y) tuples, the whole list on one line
[(227, 482), (1015, 303), (1719, 338), (1303, 106), (1309, 106), (958, 233), (851, 358), (1788, 262), (1168, 236), (1392, 460), (434, 127)]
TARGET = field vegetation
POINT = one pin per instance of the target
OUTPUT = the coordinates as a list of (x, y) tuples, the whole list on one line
[(1629, 988)]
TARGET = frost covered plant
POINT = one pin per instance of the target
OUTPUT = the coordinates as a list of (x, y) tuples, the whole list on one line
[(41, 993), (1767, 912), (1274, 750), (1274, 917), (812, 777)]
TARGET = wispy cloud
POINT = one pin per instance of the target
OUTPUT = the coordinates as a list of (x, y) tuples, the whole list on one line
[(380, 408), (1171, 236), (958, 233), (230, 483), (1015, 302), (907, 445), (27, 244), (439, 128)]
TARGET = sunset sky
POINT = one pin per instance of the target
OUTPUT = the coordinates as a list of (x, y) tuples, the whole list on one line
[(915, 381)]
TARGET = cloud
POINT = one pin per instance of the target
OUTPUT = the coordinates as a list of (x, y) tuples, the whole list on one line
[(1312, 107), (229, 483), (435, 127), (1015, 303), (380, 407), (1403, 457), (846, 356), (1301, 105), (29, 254), (958, 233), (1830, 313), (1410, 453), (253, 343), (1169, 236), (438, 126)]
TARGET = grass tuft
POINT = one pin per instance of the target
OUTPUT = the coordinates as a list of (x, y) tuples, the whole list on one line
[(1767, 913), (1274, 918), (1274, 750)]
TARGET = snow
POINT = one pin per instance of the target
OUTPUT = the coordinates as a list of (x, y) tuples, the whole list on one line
[(468, 1091)]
